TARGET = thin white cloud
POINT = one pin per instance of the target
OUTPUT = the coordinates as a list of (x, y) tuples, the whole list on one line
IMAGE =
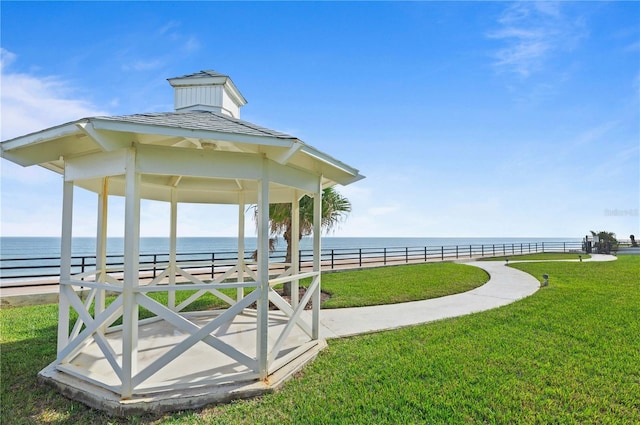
[(30, 103), (633, 47), (192, 44), (158, 48), (6, 58), (532, 32), (141, 65), (166, 28)]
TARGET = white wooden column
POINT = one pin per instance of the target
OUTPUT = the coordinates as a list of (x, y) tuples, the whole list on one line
[(131, 275), (263, 273), (173, 241), (240, 265), (317, 228), (295, 248), (101, 244), (65, 264)]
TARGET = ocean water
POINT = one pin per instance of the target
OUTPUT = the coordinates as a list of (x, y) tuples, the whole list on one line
[(24, 258), (41, 247)]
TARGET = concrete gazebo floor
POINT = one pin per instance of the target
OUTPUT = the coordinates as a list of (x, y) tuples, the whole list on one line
[(201, 376)]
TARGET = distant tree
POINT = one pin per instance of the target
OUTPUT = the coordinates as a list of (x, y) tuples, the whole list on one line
[(607, 242), (335, 209)]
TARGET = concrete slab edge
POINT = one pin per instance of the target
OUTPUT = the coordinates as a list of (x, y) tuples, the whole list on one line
[(173, 400)]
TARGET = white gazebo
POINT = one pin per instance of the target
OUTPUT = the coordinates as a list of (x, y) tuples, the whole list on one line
[(177, 358)]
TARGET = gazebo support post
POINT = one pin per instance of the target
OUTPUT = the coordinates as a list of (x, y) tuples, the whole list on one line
[(173, 237), (240, 264), (65, 264), (131, 276), (101, 246), (317, 222), (295, 249), (263, 273)]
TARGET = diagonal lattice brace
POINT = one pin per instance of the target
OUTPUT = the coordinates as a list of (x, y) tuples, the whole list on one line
[(197, 334), (85, 318), (293, 320), (288, 310), (201, 292), (108, 316)]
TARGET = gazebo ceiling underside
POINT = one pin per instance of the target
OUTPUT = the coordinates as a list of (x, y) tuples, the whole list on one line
[(202, 166)]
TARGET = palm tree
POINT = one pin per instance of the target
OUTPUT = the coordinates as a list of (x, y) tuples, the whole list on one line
[(335, 209), (607, 241)]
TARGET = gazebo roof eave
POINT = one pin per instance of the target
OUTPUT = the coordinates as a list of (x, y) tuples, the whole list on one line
[(20, 149)]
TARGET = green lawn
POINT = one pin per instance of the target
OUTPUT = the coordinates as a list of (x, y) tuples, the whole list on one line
[(567, 354), (397, 284)]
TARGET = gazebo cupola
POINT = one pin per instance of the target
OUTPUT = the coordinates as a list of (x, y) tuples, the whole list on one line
[(207, 91), (174, 356)]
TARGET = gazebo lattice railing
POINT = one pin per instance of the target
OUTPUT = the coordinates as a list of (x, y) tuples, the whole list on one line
[(92, 328)]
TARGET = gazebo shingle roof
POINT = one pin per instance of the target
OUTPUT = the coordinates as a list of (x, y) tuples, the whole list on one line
[(204, 74), (199, 120)]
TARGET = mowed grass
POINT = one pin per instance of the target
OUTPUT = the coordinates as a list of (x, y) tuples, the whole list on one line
[(567, 354), (397, 284), (539, 256)]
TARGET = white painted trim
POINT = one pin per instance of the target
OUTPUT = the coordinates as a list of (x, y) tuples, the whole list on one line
[(101, 243), (101, 164), (295, 249), (317, 260), (263, 273), (284, 157), (294, 320), (131, 276), (40, 137), (173, 242), (65, 263), (240, 265), (108, 142)]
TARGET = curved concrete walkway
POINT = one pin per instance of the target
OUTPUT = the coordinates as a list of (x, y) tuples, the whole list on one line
[(505, 286)]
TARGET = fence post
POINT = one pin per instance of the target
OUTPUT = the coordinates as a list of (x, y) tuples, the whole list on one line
[(332, 259), (456, 252), (155, 260), (425, 254), (442, 253), (300, 259), (564, 247), (213, 269), (482, 249), (385, 256), (470, 255), (360, 257), (406, 254)]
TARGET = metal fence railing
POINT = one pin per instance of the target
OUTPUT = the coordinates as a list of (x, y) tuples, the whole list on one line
[(26, 271)]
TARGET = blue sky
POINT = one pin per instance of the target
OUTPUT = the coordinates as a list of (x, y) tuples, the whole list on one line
[(468, 118)]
